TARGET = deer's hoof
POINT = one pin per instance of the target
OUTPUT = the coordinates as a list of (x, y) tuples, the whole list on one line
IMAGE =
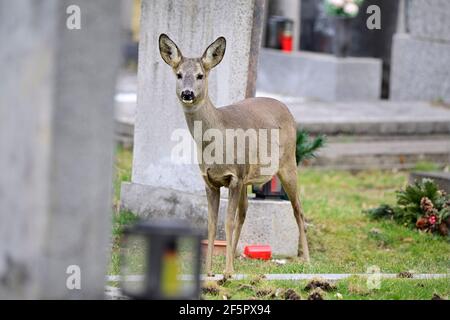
[(304, 258), (228, 274)]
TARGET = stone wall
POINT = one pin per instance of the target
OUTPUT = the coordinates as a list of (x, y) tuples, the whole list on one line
[(421, 57)]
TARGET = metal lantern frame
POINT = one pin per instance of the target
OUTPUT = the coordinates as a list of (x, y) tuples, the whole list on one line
[(159, 236)]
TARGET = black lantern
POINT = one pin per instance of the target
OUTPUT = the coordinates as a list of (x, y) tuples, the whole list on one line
[(271, 190), (161, 260)]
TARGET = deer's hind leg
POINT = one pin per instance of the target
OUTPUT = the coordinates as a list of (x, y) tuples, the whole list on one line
[(288, 177), (234, 193), (213, 196), (240, 218)]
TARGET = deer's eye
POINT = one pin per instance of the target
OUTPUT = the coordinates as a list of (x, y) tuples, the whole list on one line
[(179, 76), (199, 77)]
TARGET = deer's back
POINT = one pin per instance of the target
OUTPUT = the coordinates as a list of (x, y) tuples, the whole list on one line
[(258, 113), (255, 113)]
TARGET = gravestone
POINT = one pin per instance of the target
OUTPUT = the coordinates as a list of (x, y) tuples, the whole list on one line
[(193, 25), (56, 141), (267, 221), (420, 57), (161, 188)]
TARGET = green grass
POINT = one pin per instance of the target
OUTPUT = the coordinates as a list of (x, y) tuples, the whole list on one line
[(354, 288), (426, 166), (341, 238), (122, 168)]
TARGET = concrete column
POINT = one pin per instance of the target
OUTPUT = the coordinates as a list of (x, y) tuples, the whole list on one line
[(56, 142)]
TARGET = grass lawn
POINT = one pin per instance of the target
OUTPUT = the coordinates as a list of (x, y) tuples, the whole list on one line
[(341, 239)]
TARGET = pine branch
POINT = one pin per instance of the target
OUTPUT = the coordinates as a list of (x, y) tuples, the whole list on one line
[(307, 147)]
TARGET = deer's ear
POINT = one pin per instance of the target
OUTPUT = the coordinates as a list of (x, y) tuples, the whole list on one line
[(169, 51), (214, 53)]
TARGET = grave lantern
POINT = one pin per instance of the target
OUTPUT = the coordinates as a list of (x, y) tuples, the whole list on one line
[(272, 190), (161, 260)]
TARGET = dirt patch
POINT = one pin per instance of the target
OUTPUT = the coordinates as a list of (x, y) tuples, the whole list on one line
[(405, 274), (320, 283), (277, 293), (316, 294), (264, 292), (222, 281), (210, 288), (436, 297), (290, 294), (257, 279)]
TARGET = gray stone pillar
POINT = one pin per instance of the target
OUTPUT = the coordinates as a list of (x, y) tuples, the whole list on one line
[(421, 57), (193, 25), (56, 142)]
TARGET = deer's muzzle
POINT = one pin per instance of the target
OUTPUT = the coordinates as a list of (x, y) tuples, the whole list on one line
[(187, 96)]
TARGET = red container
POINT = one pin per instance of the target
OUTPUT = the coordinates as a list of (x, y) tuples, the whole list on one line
[(286, 42), (263, 252)]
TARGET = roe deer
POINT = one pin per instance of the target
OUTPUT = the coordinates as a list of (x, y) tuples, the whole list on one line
[(252, 113)]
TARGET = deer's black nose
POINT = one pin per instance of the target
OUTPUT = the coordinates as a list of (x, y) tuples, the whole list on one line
[(187, 95)]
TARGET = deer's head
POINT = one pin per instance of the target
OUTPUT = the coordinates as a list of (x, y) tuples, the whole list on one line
[(191, 73)]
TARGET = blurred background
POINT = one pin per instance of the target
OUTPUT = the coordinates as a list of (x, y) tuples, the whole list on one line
[(375, 82)]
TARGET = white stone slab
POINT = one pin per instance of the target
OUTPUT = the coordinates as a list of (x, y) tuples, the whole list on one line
[(268, 221), (319, 76), (193, 25)]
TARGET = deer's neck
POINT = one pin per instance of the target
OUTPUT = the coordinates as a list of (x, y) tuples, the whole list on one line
[(205, 115)]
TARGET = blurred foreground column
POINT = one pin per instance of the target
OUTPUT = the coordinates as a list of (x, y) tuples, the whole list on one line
[(56, 142)]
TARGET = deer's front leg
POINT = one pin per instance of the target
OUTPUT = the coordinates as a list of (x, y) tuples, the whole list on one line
[(234, 192), (213, 196)]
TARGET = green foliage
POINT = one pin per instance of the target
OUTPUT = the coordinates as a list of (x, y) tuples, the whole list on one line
[(411, 196), (409, 209), (338, 11), (306, 146), (426, 166), (409, 200), (124, 218), (122, 170)]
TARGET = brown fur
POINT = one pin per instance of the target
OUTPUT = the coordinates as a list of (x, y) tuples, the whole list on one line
[(252, 113)]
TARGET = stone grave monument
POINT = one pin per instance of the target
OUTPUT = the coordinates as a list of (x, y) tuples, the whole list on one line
[(161, 188)]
